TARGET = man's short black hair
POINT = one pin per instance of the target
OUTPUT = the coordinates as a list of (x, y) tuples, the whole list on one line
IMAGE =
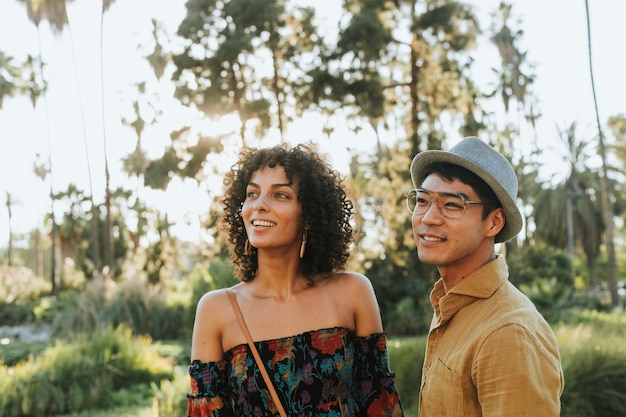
[(450, 172)]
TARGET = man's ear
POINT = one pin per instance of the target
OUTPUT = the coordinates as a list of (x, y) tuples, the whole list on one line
[(495, 222)]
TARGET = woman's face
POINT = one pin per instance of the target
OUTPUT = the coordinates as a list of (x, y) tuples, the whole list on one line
[(271, 212)]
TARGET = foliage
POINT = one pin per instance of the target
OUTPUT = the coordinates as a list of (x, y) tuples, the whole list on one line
[(82, 243), (391, 62), (545, 275), (169, 396), (15, 313), (552, 298), (165, 312), (20, 78), (161, 314), (20, 285), (88, 371), (593, 358), (406, 357), (161, 256), (594, 365), (209, 276), (403, 296), (533, 262), (20, 293), (385, 249), (16, 351), (146, 309), (219, 70)]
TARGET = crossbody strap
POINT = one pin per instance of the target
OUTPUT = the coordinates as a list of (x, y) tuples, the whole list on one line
[(255, 353)]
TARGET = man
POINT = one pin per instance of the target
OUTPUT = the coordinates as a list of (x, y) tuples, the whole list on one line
[(489, 351)]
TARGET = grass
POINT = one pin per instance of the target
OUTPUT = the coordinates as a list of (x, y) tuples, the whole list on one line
[(594, 364)]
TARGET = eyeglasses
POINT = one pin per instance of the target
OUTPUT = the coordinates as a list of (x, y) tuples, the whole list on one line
[(450, 205)]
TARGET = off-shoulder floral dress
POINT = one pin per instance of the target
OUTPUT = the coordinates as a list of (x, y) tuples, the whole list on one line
[(322, 373)]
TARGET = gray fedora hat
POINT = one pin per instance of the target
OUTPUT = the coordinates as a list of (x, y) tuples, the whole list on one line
[(476, 156)]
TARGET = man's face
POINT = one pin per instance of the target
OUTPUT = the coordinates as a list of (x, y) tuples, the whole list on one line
[(456, 245)]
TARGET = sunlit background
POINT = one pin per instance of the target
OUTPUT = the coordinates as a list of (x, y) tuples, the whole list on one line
[(555, 36)]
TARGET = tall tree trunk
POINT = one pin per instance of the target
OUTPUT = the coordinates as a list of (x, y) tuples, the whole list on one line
[(414, 113), (9, 204), (593, 276), (38, 254), (55, 12), (54, 274), (276, 83), (95, 243), (607, 204), (108, 250)]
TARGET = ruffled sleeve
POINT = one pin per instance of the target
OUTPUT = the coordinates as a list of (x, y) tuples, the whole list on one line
[(376, 390), (208, 396)]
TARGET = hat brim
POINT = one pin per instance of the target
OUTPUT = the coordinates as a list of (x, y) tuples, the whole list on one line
[(424, 160)]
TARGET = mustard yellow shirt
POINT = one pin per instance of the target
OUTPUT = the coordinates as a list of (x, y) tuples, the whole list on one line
[(489, 352)]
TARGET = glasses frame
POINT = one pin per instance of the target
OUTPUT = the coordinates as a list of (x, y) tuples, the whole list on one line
[(434, 197)]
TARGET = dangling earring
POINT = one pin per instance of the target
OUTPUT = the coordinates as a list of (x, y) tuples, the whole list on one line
[(303, 245), (247, 248)]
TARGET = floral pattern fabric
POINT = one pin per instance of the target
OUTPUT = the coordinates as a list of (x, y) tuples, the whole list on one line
[(323, 373)]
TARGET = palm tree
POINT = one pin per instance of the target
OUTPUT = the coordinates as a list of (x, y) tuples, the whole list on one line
[(616, 301), (513, 81), (57, 17), (136, 163), (55, 12), (9, 203), (578, 192), (20, 78), (526, 171), (108, 245)]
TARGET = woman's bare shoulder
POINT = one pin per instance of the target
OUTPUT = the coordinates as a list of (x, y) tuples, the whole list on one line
[(211, 325), (350, 287), (356, 291), (353, 281), (212, 299)]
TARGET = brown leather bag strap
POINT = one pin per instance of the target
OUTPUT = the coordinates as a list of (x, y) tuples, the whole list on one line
[(255, 353)]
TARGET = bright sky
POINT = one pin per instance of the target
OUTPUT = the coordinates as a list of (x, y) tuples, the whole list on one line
[(554, 35)]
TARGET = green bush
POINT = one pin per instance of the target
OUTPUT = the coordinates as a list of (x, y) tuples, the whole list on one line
[(594, 364), (595, 379), (20, 293), (163, 312), (13, 314), (147, 309), (406, 357), (210, 276), (88, 371), (170, 398), (19, 285), (592, 353), (551, 297), (533, 262), (14, 352)]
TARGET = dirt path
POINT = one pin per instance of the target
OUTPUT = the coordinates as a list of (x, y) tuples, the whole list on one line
[(24, 333)]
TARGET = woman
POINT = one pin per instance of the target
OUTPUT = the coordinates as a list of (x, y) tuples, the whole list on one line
[(317, 329)]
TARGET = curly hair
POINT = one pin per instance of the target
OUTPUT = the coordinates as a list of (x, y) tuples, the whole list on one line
[(325, 208)]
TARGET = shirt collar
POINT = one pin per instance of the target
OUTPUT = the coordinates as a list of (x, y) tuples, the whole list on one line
[(481, 283)]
